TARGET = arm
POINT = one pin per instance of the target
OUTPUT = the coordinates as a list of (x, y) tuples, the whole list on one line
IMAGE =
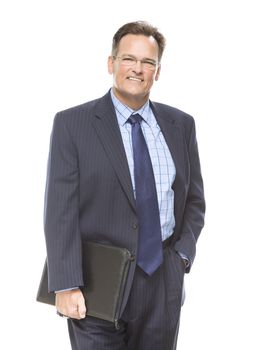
[(62, 233), (62, 223), (193, 216)]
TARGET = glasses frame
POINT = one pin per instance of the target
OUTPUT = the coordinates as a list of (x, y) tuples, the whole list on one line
[(131, 61)]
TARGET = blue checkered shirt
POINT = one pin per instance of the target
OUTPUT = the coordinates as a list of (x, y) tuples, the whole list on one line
[(162, 161)]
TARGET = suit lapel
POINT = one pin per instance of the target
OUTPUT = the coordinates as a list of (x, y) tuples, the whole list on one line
[(107, 129)]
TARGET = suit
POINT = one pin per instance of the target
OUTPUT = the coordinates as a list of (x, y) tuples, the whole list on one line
[(89, 193)]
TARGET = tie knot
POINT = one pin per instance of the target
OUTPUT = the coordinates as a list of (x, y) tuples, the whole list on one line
[(135, 118)]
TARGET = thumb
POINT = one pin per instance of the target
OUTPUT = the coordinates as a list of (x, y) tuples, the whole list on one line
[(81, 307)]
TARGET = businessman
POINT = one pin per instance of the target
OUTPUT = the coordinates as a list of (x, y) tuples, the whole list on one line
[(125, 171)]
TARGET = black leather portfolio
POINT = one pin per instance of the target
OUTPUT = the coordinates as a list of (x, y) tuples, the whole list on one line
[(105, 274)]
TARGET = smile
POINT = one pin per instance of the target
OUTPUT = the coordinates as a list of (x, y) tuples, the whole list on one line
[(135, 79)]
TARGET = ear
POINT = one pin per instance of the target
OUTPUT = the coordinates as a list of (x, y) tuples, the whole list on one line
[(158, 73), (110, 65)]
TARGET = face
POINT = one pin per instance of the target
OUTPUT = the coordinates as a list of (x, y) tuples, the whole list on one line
[(132, 84)]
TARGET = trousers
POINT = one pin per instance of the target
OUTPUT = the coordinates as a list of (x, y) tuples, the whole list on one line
[(151, 317)]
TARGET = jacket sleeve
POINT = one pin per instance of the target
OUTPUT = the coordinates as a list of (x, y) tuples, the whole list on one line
[(61, 213), (193, 217)]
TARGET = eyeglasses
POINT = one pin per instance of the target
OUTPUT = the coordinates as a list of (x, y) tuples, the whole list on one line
[(130, 61)]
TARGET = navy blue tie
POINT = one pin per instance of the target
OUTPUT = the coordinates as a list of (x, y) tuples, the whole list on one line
[(150, 251)]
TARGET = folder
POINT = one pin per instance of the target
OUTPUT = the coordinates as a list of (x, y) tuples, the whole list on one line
[(105, 270)]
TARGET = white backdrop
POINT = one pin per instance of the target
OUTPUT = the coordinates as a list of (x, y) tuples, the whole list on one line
[(53, 56)]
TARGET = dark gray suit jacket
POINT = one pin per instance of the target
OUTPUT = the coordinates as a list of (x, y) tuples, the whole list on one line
[(89, 193)]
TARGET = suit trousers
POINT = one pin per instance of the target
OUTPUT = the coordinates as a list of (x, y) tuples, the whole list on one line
[(150, 320)]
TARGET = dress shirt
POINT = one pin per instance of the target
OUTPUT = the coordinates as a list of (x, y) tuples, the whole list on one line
[(162, 161)]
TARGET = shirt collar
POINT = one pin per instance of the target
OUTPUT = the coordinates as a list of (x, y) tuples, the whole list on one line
[(124, 111)]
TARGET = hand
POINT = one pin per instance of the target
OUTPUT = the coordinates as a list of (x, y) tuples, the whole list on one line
[(185, 262), (71, 304)]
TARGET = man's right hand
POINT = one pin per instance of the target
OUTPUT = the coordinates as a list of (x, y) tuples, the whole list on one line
[(71, 303)]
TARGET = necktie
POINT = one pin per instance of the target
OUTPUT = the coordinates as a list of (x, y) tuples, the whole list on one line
[(150, 252)]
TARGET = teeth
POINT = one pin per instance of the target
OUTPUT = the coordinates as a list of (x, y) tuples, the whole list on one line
[(135, 79)]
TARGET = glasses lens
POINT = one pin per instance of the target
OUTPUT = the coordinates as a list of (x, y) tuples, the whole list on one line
[(131, 61), (128, 61), (149, 65)]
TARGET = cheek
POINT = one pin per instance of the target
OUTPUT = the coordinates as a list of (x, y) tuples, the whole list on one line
[(151, 78), (119, 74)]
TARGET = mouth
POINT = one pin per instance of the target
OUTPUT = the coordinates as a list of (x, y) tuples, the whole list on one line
[(139, 80)]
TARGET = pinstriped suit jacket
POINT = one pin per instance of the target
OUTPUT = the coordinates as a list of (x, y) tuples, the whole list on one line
[(89, 194)]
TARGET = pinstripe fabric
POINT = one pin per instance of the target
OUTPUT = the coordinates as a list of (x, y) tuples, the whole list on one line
[(162, 161), (89, 196), (83, 195), (61, 211), (150, 320)]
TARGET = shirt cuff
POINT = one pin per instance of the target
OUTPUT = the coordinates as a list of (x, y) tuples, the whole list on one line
[(65, 290)]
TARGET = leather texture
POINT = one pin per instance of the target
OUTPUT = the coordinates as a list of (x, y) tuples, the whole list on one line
[(105, 272)]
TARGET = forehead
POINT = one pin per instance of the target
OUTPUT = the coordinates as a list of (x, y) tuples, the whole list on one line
[(138, 45)]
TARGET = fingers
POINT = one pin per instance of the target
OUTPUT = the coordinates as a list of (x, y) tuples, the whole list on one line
[(71, 304), (81, 307)]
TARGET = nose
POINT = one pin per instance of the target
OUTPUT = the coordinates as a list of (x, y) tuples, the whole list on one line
[(138, 67)]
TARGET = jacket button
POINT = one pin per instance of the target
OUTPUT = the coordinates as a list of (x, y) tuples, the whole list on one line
[(134, 225)]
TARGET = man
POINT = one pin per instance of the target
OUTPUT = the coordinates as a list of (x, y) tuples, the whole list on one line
[(125, 171)]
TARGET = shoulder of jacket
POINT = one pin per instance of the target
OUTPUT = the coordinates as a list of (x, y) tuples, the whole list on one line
[(172, 112), (77, 110)]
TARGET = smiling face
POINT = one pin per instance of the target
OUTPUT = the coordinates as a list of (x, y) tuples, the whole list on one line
[(132, 84)]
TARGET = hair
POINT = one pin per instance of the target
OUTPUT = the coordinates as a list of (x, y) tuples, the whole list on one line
[(139, 28)]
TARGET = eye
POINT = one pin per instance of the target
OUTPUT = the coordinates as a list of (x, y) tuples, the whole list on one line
[(149, 63), (128, 59)]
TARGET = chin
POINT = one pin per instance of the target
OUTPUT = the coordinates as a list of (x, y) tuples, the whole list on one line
[(131, 93)]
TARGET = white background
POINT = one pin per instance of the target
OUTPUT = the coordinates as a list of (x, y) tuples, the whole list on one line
[(53, 56)]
